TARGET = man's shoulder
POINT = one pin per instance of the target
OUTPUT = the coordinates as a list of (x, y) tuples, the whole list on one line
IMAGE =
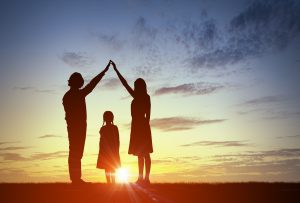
[(66, 95), (73, 94)]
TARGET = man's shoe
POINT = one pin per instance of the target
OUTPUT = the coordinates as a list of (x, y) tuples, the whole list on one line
[(79, 182)]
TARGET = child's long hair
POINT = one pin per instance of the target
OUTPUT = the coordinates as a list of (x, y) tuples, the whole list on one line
[(108, 116)]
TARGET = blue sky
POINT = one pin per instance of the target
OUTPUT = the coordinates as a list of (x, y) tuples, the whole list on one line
[(222, 76)]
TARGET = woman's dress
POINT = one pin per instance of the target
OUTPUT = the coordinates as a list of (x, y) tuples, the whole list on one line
[(140, 135)]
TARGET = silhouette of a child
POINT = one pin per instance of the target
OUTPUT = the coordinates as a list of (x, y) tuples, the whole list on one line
[(109, 158)]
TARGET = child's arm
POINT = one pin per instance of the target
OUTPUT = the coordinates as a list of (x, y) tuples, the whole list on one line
[(101, 138)]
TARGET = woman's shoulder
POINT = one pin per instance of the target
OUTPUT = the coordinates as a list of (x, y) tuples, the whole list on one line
[(142, 97)]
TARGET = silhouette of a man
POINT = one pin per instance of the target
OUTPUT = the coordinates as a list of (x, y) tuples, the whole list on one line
[(75, 109)]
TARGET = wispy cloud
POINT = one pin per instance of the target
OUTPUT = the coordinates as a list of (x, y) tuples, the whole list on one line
[(282, 153), (12, 157), (288, 136), (265, 107), (267, 111), (111, 83), (49, 91), (77, 59), (24, 88), (286, 152), (49, 136), (266, 100), (180, 123), (51, 155), (33, 157), (189, 89), (12, 148), (278, 114), (33, 89), (218, 144), (255, 170), (5, 143), (270, 165)]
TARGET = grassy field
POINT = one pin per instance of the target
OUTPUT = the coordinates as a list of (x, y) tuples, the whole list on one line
[(159, 192)]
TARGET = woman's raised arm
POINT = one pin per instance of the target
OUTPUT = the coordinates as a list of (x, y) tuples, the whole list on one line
[(123, 81)]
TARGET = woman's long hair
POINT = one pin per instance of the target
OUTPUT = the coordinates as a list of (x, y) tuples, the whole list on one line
[(140, 87)]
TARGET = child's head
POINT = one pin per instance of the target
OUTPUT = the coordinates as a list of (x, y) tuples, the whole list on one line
[(108, 117)]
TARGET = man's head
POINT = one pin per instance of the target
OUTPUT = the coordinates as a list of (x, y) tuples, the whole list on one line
[(76, 80)]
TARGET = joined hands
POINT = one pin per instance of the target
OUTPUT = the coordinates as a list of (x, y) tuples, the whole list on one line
[(113, 64), (110, 63)]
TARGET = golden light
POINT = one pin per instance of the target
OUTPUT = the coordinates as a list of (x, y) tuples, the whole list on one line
[(122, 175)]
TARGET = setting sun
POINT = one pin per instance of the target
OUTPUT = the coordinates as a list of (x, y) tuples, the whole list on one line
[(122, 175)]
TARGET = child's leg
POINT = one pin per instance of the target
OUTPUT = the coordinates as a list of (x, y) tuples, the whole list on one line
[(107, 175), (113, 178)]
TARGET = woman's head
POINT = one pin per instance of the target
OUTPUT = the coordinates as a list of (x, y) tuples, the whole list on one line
[(140, 86), (108, 117), (76, 80)]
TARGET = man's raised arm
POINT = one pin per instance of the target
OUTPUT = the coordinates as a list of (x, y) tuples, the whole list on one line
[(92, 84)]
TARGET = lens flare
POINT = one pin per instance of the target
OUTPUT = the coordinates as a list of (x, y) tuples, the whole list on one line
[(122, 175)]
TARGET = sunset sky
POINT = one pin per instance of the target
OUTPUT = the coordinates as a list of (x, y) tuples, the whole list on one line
[(223, 77)]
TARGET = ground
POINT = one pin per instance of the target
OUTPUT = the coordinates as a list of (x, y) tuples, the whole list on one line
[(158, 192)]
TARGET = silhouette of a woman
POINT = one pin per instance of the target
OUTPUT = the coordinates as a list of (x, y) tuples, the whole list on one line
[(140, 137)]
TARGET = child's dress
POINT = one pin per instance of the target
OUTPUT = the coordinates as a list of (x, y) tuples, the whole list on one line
[(108, 157)]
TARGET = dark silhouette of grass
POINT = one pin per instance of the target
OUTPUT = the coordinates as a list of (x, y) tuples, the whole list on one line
[(158, 192)]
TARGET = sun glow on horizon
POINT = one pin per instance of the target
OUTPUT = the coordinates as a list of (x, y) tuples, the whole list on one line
[(122, 175)]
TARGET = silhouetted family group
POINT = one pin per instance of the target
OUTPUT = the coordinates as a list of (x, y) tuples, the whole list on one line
[(109, 159)]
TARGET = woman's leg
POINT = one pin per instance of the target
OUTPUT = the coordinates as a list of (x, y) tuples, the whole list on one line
[(113, 176), (147, 166), (141, 167), (107, 175)]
